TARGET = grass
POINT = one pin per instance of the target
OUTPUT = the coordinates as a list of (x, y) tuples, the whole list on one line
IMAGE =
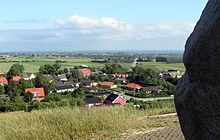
[(163, 66), (71, 62), (81, 123)]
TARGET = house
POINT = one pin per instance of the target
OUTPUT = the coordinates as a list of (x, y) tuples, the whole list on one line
[(133, 86), (89, 89), (108, 85), (114, 99), (64, 87), (171, 74), (85, 72), (89, 102), (3, 74), (37, 92), (62, 77), (96, 71), (16, 78), (3, 81), (122, 80), (49, 78), (89, 83), (120, 76), (102, 94), (151, 89), (83, 66), (27, 76)]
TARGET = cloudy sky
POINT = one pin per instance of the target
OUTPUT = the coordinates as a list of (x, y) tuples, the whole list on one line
[(68, 25)]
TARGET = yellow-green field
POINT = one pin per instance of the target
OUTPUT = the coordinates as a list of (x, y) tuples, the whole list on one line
[(71, 62), (117, 122)]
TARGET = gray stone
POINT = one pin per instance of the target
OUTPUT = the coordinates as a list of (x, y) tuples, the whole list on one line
[(197, 96)]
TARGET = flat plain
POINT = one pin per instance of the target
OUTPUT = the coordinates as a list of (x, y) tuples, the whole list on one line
[(33, 64)]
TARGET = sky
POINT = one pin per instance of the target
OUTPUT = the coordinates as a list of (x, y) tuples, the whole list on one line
[(70, 25)]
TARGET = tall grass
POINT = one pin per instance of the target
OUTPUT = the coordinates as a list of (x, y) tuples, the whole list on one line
[(75, 123)]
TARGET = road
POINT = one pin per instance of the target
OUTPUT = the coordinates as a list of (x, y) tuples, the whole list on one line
[(127, 97)]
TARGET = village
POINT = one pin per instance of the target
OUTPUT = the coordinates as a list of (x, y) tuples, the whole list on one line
[(93, 86)]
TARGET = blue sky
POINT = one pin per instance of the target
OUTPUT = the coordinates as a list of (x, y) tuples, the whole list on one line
[(97, 24)]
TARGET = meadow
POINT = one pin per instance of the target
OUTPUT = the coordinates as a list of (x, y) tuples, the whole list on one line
[(81, 123), (34, 63)]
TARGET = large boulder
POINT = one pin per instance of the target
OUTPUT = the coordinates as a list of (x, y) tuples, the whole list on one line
[(197, 96)]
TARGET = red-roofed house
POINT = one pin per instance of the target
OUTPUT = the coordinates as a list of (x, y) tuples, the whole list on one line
[(133, 86), (109, 85), (85, 72), (3, 72), (37, 92), (3, 81), (16, 78)]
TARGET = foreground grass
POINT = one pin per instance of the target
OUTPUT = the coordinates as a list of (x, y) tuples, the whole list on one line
[(80, 123)]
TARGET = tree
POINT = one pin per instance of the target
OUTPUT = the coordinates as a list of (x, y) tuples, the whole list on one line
[(41, 81), (2, 90), (140, 75), (50, 69), (113, 68), (15, 70), (28, 96)]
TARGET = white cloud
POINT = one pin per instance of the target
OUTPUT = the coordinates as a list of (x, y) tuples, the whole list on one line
[(103, 29), (110, 28)]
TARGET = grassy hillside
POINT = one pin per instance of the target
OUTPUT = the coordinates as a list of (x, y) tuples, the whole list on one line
[(81, 123)]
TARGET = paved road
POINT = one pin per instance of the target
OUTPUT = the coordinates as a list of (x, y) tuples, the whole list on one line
[(127, 97)]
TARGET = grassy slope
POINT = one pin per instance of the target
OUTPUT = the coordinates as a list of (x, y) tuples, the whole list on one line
[(81, 123)]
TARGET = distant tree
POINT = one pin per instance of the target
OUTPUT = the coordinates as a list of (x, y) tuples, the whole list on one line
[(113, 68), (140, 75), (50, 69)]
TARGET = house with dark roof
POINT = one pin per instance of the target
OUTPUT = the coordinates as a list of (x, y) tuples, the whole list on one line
[(89, 102), (49, 78), (62, 77), (89, 89), (108, 85), (3, 81), (38, 93), (114, 99), (89, 83), (133, 86), (64, 87), (151, 89), (27, 76)]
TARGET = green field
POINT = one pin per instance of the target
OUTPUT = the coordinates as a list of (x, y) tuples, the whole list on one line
[(71, 62)]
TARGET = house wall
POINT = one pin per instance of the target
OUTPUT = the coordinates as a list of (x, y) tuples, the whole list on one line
[(119, 100), (64, 90)]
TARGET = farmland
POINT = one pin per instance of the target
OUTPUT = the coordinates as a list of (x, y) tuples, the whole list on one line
[(32, 64)]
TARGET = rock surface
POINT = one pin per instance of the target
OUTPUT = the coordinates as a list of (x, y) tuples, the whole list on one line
[(197, 96)]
